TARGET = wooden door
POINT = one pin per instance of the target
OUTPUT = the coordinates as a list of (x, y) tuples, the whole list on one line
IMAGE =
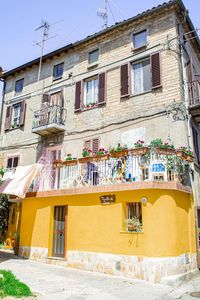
[(59, 232), (198, 237)]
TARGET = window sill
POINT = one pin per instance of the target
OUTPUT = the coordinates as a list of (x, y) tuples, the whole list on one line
[(131, 232), (133, 50), (57, 78), (11, 129), (93, 65)]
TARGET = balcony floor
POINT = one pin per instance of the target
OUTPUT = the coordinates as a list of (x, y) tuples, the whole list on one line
[(48, 129), (113, 188)]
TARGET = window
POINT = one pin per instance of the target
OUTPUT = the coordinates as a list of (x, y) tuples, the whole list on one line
[(92, 145), (12, 162), (140, 39), (93, 57), (134, 211), (141, 79), (16, 115), (58, 71), (91, 91), (19, 85)]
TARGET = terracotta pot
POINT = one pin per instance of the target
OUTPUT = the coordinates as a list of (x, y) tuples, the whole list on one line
[(57, 163), (93, 158), (190, 158), (132, 228), (119, 153), (72, 162), (181, 154), (139, 151), (164, 151)]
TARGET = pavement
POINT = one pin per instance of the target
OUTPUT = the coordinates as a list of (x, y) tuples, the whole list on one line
[(51, 282)]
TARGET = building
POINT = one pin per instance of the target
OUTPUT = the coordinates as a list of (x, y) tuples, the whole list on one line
[(137, 80)]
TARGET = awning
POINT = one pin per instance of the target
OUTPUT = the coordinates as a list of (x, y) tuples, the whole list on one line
[(18, 182)]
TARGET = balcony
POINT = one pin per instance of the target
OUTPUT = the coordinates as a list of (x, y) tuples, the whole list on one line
[(49, 120), (109, 174), (194, 95)]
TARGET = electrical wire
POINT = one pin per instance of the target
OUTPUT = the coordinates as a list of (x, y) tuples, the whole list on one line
[(111, 12)]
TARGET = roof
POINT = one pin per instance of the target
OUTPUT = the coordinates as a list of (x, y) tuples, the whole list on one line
[(102, 32)]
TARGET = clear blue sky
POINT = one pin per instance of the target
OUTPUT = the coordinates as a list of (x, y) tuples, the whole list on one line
[(20, 18)]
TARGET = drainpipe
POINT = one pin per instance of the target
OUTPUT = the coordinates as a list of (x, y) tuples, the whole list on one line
[(2, 102)]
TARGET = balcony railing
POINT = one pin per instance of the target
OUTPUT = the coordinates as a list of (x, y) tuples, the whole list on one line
[(194, 92), (49, 120), (113, 170)]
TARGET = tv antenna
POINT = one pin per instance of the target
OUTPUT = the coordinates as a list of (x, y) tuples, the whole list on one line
[(103, 13)]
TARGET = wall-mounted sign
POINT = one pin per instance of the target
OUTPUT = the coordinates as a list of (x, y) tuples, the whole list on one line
[(107, 199)]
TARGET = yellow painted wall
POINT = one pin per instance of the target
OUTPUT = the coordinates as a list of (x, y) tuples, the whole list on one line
[(14, 223), (168, 223)]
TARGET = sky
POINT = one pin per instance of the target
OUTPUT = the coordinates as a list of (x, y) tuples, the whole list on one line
[(70, 21)]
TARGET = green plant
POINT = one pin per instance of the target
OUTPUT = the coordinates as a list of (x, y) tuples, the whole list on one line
[(118, 148), (1, 171), (10, 286), (139, 144), (16, 236), (133, 224), (101, 152), (4, 216), (158, 143), (86, 152), (186, 150), (69, 157)]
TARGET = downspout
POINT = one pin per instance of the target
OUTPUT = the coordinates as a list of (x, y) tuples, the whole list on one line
[(2, 103)]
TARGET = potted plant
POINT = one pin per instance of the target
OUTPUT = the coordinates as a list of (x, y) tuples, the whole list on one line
[(185, 154), (133, 224), (87, 156), (118, 151), (140, 148), (69, 160), (16, 236), (68, 157), (162, 148)]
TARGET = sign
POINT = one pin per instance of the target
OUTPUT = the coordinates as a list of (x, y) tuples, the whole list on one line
[(107, 199)]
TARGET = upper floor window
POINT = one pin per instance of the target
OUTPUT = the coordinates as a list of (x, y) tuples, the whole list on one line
[(92, 145), (140, 39), (15, 115), (93, 57), (91, 91), (19, 84), (58, 71), (12, 162), (141, 79)]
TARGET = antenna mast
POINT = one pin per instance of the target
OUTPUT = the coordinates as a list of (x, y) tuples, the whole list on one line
[(103, 13), (45, 26)]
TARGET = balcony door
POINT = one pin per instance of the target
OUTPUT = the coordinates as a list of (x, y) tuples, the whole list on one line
[(59, 231)]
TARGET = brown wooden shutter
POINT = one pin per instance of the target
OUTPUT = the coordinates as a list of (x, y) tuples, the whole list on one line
[(155, 69), (196, 144), (125, 84), (22, 113), (15, 161), (88, 145), (8, 118), (95, 145), (78, 96), (102, 88), (9, 163)]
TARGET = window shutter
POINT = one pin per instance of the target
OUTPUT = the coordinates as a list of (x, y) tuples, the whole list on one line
[(95, 145), (155, 69), (9, 163), (15, 161), (102, 90), (8, 117), (78, 96), (22, 113), (88, 145), (196, 144), (125, 86)]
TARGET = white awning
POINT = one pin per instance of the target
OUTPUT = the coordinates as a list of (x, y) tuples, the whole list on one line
[(18, 182)]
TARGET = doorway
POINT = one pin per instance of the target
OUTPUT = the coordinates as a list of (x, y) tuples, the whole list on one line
[(59, 231)]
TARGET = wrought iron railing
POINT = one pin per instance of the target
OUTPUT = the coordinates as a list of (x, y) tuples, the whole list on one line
[(114, 170), (54, 114)]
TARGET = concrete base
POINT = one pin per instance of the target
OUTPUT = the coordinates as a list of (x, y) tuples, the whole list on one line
[(177, 280), (166, 270)]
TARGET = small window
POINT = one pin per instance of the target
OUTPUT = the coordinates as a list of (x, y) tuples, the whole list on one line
[(58, 71), (19, 84), (93, 57), (134, 216), (140, 39), (141, 79), (91, 91), (16, 115), (12, 162)]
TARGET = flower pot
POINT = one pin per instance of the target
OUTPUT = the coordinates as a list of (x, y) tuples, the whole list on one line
[(132, 228), (190, 158), (181, 154), (57, 163), (72, 162), (85, 159), (119, 153), (164, 151), (94, 158), (139, 151)]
